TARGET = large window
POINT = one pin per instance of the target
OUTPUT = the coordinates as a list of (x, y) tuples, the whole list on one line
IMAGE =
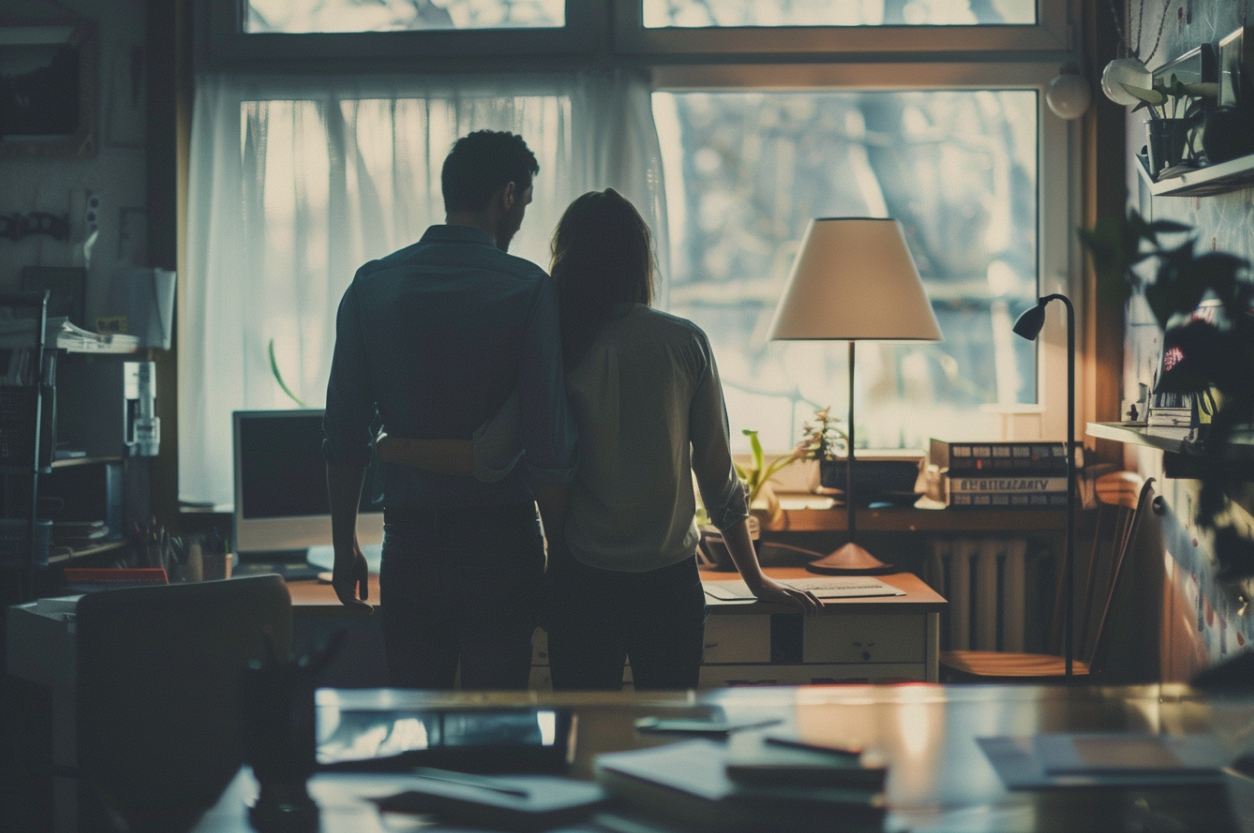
[(707, 13), (303, 16), (321, 125), (746, 171)]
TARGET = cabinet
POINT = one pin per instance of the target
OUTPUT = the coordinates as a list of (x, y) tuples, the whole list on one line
[(870, 640)]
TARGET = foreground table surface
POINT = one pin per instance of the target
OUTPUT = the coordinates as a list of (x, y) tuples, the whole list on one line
[(939, 779)]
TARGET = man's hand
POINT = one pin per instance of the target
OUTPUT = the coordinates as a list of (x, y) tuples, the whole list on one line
[(772, 591), (350, 577)]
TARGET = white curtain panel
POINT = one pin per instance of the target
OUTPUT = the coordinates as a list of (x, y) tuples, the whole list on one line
[(296, 182)]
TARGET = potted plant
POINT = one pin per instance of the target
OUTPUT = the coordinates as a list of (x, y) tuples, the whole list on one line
[(1176, 113), (1215, 358)]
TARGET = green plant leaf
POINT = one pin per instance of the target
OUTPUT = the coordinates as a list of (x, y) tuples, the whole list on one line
[(278, 377), (756, 446), (1154, 97)]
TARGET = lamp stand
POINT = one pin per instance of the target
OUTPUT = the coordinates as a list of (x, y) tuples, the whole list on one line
[(851, 559)]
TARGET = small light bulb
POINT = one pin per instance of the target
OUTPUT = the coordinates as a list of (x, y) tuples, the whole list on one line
[(1125, 71), (1068, 95)]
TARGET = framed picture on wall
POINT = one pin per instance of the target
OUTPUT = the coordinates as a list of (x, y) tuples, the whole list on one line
[(48, 90)]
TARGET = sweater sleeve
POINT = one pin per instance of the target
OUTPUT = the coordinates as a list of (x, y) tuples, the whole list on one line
[(721, 490)]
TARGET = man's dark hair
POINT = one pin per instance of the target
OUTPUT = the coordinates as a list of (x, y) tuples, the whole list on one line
[(480, 164)]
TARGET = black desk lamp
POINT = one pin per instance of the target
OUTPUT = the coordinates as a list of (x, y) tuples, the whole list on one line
[(1029, 326)]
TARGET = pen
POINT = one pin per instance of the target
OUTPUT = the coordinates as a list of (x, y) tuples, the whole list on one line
[(467, 780)]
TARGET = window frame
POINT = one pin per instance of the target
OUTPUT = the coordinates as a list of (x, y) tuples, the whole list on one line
[(1058, 266), (227, 47), (1048, 34), (610, 34)]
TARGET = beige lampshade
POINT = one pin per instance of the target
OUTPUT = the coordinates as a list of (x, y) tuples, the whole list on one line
[(854, 279)]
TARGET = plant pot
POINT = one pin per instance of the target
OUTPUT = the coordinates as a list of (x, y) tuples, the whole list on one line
[(1229, 133), (1166, 143)]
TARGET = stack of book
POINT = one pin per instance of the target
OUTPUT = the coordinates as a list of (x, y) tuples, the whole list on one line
[(1001, 475), (753, 783)]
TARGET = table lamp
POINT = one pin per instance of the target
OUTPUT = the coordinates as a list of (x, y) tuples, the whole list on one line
[(853, 280), (1028, 326)]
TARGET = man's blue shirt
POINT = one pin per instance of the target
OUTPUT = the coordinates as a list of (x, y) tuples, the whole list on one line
[(433, 339)]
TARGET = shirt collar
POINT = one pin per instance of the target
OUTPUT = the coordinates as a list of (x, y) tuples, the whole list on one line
[(456, 234)]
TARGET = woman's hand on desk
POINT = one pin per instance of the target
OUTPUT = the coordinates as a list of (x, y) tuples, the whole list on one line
[(350, 576), (769, 590), (743, 555)]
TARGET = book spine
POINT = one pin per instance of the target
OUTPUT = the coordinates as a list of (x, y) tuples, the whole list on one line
[(1021, 458), (1007, 500), (1009, 485)]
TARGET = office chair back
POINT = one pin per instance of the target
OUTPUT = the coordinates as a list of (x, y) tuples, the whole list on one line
[(159, 672)]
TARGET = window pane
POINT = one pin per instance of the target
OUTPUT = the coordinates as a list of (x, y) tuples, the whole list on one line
[(297, 16), (700, 14), (746, 171)]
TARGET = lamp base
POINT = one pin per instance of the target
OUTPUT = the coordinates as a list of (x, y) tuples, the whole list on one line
[(850, 560)]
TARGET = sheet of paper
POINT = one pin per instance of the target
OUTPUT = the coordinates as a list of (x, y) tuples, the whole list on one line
[(825, 588)]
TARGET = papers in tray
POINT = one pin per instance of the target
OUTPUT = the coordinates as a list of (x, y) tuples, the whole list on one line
[(823, 588), (20, 332), (1104, 760)]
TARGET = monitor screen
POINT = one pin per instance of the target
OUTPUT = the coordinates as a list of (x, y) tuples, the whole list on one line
[(281, 485)]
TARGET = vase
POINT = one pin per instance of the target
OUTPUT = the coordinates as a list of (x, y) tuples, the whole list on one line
[(1166, 143)]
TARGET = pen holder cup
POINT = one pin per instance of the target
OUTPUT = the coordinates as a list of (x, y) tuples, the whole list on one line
[(216, 565), (279, 744)]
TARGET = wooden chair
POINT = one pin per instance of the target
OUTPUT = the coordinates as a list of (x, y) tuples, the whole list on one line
[(159, 674), (1123, 502)]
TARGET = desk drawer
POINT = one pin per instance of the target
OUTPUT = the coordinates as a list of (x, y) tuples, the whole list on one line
[(737, 676), (737, 638), (863, 638)]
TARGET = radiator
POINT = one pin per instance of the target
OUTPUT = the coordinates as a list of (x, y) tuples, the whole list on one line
[(985, 581)]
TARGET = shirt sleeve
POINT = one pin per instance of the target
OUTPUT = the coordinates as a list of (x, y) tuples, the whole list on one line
[(721, 490), (546, 429), (350, 396)]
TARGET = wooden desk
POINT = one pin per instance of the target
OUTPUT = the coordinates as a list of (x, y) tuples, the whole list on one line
[(876, 639), (939, 780)]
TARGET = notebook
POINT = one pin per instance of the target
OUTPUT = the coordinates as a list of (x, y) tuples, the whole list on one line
[(823, 588)]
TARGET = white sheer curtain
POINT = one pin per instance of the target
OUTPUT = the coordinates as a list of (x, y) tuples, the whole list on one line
[(295, 182)]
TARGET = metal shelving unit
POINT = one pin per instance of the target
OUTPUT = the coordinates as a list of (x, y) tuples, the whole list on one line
[(22, 446)]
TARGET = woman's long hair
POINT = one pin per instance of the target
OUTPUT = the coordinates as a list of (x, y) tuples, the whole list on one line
[(602, 257)]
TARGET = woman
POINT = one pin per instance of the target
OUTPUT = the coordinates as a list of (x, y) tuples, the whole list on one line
[(645, 394)]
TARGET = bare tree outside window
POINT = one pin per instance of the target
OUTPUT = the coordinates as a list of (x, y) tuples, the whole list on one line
[(717, 13), (303, 16), (746, 171)]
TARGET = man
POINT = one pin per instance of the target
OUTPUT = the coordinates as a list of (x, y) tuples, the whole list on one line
[(430, 342)]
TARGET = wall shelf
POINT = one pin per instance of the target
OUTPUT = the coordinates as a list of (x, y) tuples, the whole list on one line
[(1179, 458), (908, 519), (97, 549), (84, 461), (1203, 182)]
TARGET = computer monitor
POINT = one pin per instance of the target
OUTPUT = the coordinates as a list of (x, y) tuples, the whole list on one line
[(281, 487)]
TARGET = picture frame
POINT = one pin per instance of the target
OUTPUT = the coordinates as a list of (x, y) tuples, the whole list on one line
[(1236, 63), (67, 286), (48, 90)]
